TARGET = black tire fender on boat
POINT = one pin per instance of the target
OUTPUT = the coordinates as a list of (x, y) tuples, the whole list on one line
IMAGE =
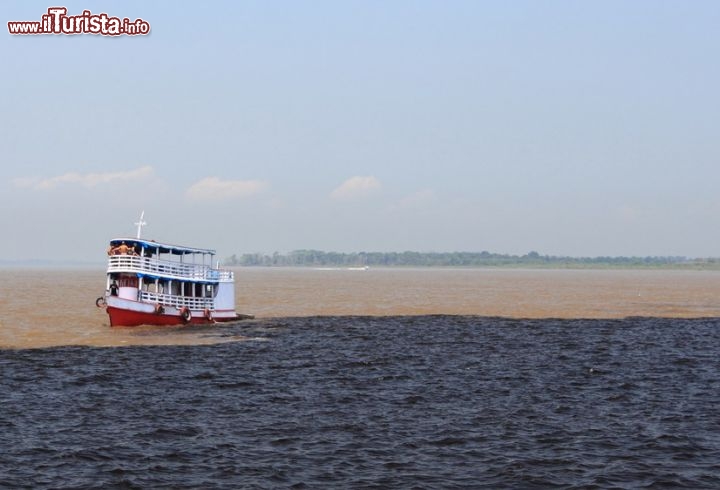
[(186, 314), (208, 314), (159, 309), (100, 302)]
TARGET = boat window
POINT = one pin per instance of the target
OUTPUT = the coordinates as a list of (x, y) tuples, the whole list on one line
[(128, 282)]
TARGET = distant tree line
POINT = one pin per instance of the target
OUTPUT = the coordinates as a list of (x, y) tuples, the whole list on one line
[(317, 258)]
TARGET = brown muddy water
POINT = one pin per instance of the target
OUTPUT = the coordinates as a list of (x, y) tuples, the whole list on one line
[(385, 378), (44, 308)]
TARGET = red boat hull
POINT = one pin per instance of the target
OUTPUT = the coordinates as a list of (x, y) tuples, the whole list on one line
[(120, 317)]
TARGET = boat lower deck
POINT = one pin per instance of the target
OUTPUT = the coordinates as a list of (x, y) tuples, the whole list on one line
[(129, 313)]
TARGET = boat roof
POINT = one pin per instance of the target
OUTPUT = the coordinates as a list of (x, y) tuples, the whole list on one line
[(165, 248)]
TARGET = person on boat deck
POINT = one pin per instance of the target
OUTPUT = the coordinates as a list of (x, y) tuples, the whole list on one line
[(111, 250), (123, 249), (113, 289)]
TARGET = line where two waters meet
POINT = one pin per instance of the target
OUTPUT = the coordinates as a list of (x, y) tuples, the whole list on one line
[(51, 307)]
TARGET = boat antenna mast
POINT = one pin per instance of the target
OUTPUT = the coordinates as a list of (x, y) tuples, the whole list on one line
[(140, 223)]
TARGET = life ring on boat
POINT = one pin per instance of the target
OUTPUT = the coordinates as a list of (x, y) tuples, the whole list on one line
[(208, 314), (185, 314), (159, 309), (100, 302)]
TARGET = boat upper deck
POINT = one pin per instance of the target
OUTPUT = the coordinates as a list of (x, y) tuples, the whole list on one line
[(159, 248), (153, 259)]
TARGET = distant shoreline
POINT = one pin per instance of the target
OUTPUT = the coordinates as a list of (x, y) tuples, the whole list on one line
[(309, 259), (532, 260), (491, 267), (101, 267)]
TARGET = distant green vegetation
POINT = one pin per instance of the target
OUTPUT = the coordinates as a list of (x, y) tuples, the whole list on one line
[(317, 258)]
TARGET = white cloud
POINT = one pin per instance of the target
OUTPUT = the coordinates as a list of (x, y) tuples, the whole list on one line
[(356, 187), (214, 188), (85, 180)]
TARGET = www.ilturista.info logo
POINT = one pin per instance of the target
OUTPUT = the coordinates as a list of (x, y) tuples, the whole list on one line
[(56, 21)]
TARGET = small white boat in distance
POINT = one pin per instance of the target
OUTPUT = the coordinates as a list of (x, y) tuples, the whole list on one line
[(154, 283)]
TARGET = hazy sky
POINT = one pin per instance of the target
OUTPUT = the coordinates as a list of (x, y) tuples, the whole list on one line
[(565, 127)]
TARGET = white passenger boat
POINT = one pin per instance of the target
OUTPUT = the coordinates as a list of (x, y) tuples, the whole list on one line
[(154, 283)]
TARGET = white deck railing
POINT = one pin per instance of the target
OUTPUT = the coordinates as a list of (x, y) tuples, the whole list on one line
[(166, 268), (177, 301)]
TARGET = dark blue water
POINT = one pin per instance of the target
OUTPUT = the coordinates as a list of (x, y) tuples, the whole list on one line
[(356, 402)]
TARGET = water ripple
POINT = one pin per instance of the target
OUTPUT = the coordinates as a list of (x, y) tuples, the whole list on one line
[(357, 402)]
